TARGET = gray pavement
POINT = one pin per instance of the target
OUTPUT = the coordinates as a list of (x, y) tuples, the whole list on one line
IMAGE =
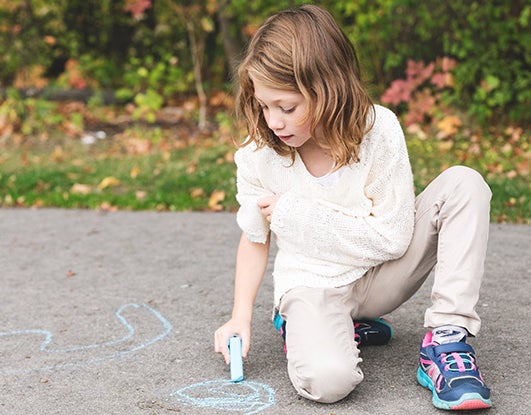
[(114, 313)]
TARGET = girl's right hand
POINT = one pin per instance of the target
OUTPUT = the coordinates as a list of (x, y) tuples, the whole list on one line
[(231, 328)]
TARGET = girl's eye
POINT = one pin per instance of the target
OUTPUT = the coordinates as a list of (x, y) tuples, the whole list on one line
[(287, 110)]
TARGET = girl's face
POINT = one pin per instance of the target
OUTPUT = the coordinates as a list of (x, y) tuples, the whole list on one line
[(284, 112)]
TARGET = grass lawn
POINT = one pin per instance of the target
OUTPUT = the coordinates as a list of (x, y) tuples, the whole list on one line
[(153, 169)]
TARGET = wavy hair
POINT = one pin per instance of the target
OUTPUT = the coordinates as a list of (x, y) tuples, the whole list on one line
[(303, 50)]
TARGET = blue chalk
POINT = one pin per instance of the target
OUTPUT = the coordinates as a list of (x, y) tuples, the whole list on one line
[(236, 362)]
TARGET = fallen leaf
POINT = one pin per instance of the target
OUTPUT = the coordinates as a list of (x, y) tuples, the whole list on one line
[(523, 168), (138, 146), (107, 207), (229, 157), (191, 167), (416, 130), (140, 195), (80, 189), (58, 154), (445, 146), (214, 203), (197, 192), (448, 126), (109, 181), (134, 172)]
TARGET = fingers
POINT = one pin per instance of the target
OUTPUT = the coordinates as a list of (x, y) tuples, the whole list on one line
[(267, 205), (246, 344), (264, 201), (221, 341), (266, 208)]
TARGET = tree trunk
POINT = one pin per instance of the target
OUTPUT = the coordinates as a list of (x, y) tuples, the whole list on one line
[(232, 43), (197, 49)]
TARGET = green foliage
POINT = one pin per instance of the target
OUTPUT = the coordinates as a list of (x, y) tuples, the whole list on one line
[(147, 104), (490, 40), (162, 76), (493, 45), (132, 46), (31, 115)]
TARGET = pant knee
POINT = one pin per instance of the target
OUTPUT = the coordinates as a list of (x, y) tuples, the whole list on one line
[(327, 383), (469, 181)]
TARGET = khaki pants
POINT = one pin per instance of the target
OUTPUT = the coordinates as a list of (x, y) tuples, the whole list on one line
[(451, 233)]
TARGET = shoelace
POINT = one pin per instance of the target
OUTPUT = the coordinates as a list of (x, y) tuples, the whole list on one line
[(459, 362)]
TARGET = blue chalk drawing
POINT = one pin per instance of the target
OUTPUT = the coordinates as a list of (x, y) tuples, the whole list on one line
[(164, 330), (246, 397)]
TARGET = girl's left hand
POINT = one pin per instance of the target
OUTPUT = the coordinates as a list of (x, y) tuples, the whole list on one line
[(267, 205)]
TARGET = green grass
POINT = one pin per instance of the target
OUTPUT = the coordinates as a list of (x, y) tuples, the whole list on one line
[(175, 176), (493, 159), (181, 179)]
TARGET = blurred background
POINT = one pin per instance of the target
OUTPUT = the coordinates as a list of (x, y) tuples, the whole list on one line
[(127, 104)]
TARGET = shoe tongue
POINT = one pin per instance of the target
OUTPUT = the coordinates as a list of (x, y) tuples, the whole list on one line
[(449, 334)]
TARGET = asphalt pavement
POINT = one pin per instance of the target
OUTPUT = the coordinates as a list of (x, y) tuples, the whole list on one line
[(113, 313)]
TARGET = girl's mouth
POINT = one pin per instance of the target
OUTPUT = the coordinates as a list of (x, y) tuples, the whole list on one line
[(284, 137)]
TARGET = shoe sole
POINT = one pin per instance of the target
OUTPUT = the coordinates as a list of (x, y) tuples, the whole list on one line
[(467, 402)]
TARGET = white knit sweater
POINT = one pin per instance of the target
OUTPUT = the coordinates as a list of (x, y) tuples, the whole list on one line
[(329, 236)]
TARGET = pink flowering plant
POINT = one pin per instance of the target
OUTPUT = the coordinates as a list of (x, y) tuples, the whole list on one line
[(421, 92)]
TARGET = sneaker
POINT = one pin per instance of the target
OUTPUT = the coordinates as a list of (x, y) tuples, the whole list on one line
[(376, 332), (366, 332), (449, 370), (280, 325)]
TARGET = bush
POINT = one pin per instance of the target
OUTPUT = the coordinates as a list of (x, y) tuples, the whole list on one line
[(490, 40), (114, 39)]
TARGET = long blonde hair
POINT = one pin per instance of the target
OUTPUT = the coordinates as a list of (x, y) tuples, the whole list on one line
[(303, 50)]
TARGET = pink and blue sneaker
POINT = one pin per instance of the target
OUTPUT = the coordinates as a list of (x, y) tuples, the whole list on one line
[(449, 370)]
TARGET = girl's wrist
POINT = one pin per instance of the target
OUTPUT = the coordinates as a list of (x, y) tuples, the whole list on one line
[(244, 316)]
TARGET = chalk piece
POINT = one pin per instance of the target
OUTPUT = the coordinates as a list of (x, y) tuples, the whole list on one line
[(236, 362)]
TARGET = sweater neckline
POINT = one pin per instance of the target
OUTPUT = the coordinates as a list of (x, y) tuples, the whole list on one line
[(299, 164)]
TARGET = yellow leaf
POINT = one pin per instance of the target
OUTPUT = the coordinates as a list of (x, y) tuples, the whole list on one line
[(197, 192), (448, 126), (108, 182), (214, 203), (58, 154), (80, 189), (134, 172), (445, 146)]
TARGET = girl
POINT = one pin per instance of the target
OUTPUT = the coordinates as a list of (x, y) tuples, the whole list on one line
[(327, 172)]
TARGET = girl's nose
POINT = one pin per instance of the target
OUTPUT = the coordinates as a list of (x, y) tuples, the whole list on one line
[(275, 121)]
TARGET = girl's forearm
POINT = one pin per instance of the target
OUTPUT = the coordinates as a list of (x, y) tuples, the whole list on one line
[(251, 262)]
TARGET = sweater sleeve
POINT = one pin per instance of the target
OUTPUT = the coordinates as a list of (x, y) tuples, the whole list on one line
[(249, 190), (322, 232)]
